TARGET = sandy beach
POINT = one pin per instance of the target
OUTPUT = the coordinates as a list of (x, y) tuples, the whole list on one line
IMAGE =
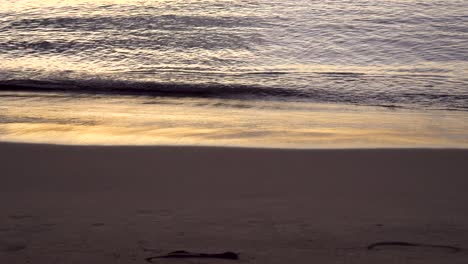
[(86, 204)]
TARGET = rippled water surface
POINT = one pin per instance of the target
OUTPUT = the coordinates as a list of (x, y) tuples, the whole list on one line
[(289, 73), (390, 52)]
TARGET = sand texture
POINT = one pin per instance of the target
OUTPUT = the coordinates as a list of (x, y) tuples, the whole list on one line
[(76, 204)]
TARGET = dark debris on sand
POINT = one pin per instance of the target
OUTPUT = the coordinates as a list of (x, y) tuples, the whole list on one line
[(186, 254)]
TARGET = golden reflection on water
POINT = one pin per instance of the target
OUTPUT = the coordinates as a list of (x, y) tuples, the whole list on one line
[(157, 121)]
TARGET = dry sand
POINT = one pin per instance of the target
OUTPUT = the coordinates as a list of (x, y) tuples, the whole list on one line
[(67, 204)]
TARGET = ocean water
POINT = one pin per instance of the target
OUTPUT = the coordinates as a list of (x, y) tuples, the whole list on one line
[(250, 55)]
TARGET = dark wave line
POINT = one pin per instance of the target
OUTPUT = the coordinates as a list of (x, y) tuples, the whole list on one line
[(244, 92), (147, 88), (167, 22)]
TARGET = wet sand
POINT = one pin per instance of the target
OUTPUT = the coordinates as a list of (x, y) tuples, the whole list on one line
[(88, 204)]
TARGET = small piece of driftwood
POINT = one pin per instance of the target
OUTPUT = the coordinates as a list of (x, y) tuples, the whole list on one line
[(186, 254), (406, 244)]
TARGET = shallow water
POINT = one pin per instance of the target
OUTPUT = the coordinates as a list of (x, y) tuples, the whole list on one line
[(143, 120)]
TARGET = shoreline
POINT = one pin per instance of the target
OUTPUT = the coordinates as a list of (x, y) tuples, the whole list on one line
[(97, 204), (233, 147), (232, 123)]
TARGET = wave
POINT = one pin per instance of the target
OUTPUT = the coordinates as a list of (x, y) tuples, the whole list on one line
[(395, 99), (147, 88)]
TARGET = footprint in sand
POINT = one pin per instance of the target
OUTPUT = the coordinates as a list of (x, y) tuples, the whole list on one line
[(145, 212), (12, 247), (21, 216), (160, 214), (4, 230)]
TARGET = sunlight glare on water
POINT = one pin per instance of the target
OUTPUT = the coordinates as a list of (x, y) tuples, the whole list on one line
[(128, 120), (235, 72)]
